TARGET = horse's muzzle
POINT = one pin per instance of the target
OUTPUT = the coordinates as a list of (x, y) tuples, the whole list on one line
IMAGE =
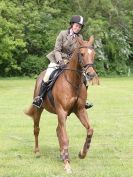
[(90, 76)]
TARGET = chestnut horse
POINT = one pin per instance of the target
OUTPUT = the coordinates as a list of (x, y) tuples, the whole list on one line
[(69, 93)]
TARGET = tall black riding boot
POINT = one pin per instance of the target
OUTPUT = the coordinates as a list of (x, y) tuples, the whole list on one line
[(38, 101)]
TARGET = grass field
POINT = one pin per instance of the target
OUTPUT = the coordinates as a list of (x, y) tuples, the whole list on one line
[(111, 152)]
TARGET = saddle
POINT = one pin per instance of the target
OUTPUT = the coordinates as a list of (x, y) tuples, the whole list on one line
[(52, 79)]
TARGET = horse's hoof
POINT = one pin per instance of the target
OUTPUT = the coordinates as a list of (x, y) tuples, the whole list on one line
[(37, 155), (81, 156), (68, 168)]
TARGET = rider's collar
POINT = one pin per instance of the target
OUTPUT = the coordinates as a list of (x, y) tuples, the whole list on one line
[(72, 33)]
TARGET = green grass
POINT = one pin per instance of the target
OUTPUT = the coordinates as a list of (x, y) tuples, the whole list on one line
[(111, 152)]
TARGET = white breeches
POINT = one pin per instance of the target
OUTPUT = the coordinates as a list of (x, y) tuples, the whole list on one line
[(50, 69)]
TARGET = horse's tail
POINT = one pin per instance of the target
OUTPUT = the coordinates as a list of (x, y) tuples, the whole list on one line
[(30, 111)]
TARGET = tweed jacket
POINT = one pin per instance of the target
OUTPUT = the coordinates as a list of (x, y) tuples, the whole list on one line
[(64, 46)]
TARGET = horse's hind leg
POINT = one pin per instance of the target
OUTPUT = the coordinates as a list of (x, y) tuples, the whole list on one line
[(36, 119), (83, 117)]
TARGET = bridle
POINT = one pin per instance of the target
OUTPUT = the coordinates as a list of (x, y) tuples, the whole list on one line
[(84, 67)]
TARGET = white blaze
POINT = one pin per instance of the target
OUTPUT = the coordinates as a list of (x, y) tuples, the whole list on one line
[(89, 51)]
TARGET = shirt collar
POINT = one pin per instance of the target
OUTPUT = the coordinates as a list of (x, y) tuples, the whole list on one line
[(72, 33)]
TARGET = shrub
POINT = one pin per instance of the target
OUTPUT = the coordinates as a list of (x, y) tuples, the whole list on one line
[(33, 65)]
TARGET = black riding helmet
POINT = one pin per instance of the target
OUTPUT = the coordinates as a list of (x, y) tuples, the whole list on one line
[(77, 19)]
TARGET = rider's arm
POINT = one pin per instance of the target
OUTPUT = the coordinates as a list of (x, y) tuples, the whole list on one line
[(58, 47)]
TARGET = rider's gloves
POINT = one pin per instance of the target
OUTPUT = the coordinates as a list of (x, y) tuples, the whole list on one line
[(61, 63)]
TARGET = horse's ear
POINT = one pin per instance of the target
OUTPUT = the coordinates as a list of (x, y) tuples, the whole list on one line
[(80, 40), (91, 40)]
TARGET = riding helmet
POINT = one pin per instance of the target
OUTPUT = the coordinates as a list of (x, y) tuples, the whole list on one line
[(77, 19)]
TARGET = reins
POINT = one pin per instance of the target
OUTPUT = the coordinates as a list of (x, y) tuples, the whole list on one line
[(78, 71)]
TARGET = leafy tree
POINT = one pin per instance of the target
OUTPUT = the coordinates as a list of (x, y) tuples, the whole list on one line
[(11, 39), (28, 28)]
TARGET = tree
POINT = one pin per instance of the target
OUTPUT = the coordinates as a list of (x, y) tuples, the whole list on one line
[(29, 28)]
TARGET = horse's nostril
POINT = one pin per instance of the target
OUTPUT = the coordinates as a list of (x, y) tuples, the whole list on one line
[(90, 76)]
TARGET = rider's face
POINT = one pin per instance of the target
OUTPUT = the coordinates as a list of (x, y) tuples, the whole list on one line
[(76, 27)]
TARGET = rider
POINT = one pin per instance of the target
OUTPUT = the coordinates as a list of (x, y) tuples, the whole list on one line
[(65, 44)]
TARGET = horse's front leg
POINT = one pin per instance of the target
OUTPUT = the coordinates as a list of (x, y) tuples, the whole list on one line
[(63, 140), (83, 117)]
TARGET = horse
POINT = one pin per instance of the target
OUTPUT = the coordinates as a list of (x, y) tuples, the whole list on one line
[(69, 93)]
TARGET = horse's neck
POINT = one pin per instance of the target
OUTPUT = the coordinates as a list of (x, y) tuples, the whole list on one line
[(74, 62), (74, 74)]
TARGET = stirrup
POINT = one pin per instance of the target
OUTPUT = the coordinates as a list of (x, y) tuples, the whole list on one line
[(38, 101)]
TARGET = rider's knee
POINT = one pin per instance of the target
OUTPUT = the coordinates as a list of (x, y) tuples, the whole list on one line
[(50, 69)]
